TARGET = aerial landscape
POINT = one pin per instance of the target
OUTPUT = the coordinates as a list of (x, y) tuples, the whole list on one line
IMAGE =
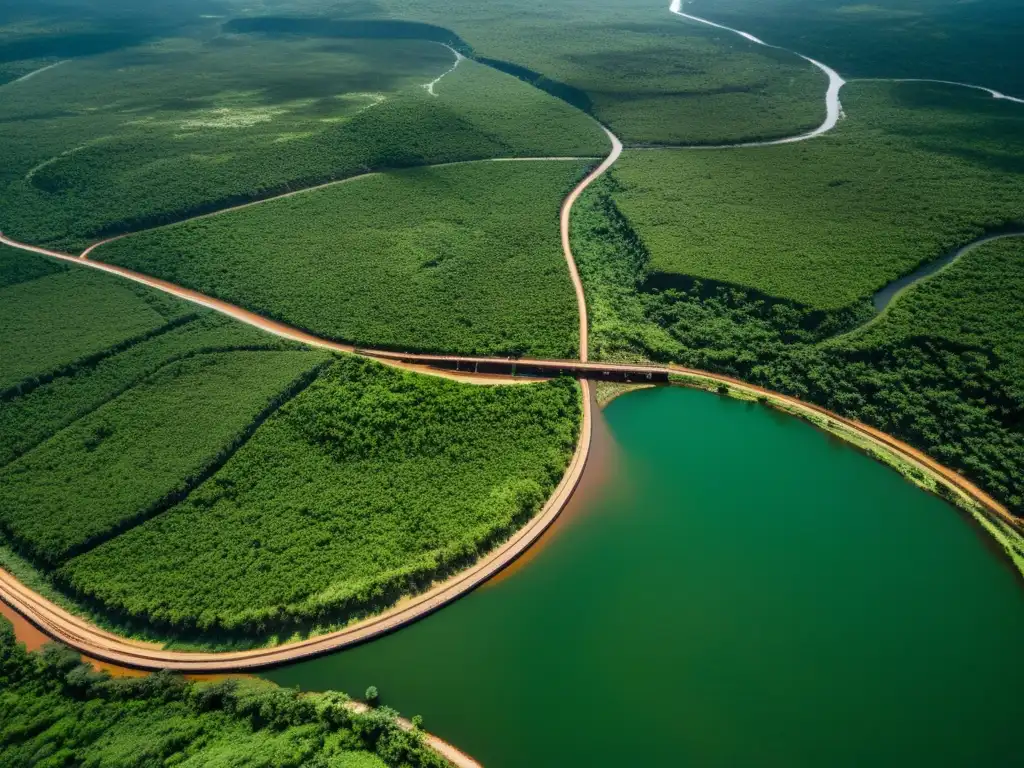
[(566, 383)]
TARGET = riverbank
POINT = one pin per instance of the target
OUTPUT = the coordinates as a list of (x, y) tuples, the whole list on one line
[(913, 465), (751, 579), (33, 639)]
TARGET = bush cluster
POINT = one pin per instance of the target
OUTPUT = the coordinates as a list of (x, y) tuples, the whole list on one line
[(462, 259), (369, 485), (58, 711)]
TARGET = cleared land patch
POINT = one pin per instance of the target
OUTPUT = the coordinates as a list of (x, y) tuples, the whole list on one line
[(197, 125), (912, 172), (368, 485), (461, 259)]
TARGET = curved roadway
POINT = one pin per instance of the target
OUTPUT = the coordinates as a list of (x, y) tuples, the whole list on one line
[(98, 643)]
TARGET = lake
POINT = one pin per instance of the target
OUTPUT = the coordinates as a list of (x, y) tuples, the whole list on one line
[(730, 587)]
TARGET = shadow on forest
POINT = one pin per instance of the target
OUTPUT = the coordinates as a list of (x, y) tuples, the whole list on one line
[(973, 126), (379, 29), (72, 46), (566, 93)]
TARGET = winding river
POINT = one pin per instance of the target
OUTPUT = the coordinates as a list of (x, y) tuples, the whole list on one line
[(833, 109), (737, 589), (887, 295)]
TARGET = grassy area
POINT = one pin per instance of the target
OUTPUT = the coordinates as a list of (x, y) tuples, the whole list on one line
[(913, 171), (943, 39), (56, 710), (463, 258), (368, 485), (133, 457), (650, 76), (203, 120)]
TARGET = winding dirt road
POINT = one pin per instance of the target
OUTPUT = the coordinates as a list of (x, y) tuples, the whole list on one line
[(990, 91), (570, 201), (35, 72), (251, 318), (87, 253), (107, 646), (833, 109), (458, 60)]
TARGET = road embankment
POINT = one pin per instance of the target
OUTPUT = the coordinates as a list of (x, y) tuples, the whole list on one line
[(97, 643)]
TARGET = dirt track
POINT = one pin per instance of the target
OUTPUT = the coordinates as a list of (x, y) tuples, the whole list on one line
[(100, 644), (104, 645), (257, 321), (570, 201)]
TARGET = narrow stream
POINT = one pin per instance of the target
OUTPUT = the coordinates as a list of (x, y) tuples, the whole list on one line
[(883, 298), (735, 589)]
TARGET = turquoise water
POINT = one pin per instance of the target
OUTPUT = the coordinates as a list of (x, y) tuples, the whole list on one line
[(734, 588)]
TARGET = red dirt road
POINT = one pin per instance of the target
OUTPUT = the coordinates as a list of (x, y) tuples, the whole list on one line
[(100, 644), (570, 201), (251, 318)]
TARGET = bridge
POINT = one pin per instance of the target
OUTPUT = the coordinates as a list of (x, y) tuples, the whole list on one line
[(523, 366)]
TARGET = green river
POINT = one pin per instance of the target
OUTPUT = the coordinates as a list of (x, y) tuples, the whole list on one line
[(731, 587)]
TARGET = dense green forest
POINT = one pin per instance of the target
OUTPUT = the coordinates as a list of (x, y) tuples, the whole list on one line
[(57, 711), (67, 316), (942, 369), (133, 457), (945, 39), (348, 483), (911, 172), (199, 124), (16, 267), (650, 76), (75, 339), (368, 485), (460, 259)]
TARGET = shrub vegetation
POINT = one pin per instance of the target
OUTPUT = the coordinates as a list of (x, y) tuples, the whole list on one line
[(199, 124), (132, 457), (55, 710), (102, 336), (66, 317), (368, 485), (650, 76), (16, 267), (912, 172), (943, 369), (460, 259), (39, 411)]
